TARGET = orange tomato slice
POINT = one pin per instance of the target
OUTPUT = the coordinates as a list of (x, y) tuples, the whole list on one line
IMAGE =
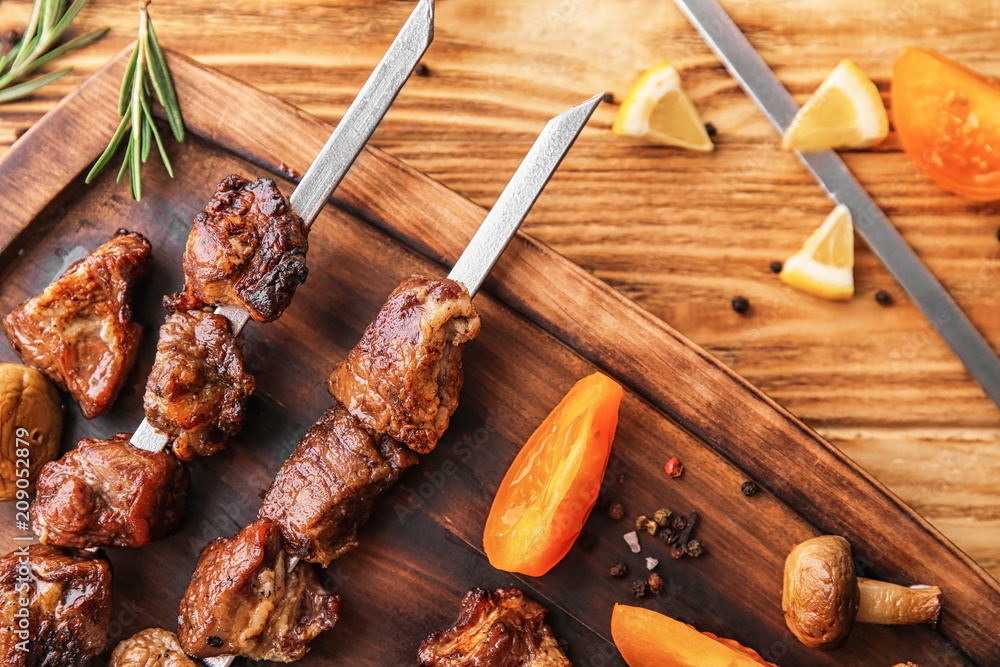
[(648, 639), (948, 120), (552, 485)]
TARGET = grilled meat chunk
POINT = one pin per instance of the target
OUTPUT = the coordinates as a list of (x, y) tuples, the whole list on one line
[(247, 248), (197, 391), (79, 330), (498, 629), (152, 647), (404, 377), (68, 595), (326, 488), (109, 493), (243, 600)]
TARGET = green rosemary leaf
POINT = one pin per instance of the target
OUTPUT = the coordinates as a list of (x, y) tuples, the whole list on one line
[(28, 87), (109, 152), (75, 43), (163, 84), (159, 141), (69, 16), (128, 157), (50, 19), (126, 89), (25, 47), (147, 136), (145, 74), (135, 165)]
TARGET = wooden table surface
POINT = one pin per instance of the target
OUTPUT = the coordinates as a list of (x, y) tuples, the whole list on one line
[(680, 233)]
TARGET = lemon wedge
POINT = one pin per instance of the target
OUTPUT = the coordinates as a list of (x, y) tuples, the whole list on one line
[(658, 109), (846, 111), (825, 265)]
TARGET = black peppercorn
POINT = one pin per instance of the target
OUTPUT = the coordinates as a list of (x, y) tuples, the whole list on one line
[(655, 583), (679, 523), (694, 548), (422, 70), (710, 130), (668, 536), (748, 488), (608, 98), (677, 551), (741, 304), (214, 642), (883, 297), (616, 511), (618, 570), (639, 588), (776, 267)]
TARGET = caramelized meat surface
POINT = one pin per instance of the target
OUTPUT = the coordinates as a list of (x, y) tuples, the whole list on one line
[(498, 629), (68, 595), (404, 377), (243, 600), (152, 647), (325, 490), (109, 493), (197, 391), (79, 330), (246, 248)]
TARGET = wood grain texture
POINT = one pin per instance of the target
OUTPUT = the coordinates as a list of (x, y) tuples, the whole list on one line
[(549, 323), (680, 234)]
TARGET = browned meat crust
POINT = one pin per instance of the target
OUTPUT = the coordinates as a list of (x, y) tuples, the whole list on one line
[(404, 376), (109, 493), (79, 330), (152, 647), (69, 607), (498, 629), (198, 388), (246, 248), (243, 600), (326, 488)]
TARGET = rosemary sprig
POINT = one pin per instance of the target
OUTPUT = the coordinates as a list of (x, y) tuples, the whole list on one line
[(48, 23), (147, 73)]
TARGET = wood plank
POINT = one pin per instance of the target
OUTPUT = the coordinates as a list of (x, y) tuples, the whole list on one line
[(536, 299), (439, 545), (679, 234)]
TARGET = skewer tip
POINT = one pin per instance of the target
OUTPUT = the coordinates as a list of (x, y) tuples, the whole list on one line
[(577, 116)]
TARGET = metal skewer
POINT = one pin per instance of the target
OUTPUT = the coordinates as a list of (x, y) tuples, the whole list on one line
[(339, 153), (504, 219)]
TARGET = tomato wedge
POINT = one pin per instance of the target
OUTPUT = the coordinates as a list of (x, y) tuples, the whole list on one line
[(552, 485), (648, 639), (948, 120)]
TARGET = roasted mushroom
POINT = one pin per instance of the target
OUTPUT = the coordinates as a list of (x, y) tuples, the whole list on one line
[(30, 424), (823, 596)]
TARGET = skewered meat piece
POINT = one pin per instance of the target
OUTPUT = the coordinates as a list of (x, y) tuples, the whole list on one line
[(247, 248), (109, 493), (243, 600), (68, 612), (326, 488), (404, 377), (152, 647), (79, 330), (197, 391), (498, 629)]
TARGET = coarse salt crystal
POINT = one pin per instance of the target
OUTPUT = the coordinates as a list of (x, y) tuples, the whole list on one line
[(651, 563), (633, 541)]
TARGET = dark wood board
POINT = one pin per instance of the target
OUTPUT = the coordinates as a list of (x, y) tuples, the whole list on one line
[(546, 324)]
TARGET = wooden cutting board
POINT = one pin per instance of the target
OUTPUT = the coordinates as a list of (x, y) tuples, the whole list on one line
[(546, 324)]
